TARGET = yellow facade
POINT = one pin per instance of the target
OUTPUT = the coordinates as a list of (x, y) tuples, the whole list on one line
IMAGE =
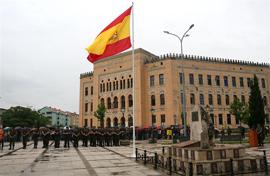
[(158, 78)]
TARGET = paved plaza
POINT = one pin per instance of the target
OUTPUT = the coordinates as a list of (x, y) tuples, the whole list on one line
[(96, 161)]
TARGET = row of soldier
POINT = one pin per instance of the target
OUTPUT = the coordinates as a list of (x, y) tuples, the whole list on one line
[(89, 137)]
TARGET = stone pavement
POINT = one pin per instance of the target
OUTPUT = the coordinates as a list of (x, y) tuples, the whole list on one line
[(96, 161)]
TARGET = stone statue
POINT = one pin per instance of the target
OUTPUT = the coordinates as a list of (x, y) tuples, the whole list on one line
[(205, 129)]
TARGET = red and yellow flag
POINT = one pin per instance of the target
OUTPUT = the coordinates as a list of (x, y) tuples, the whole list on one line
[(114, 39)]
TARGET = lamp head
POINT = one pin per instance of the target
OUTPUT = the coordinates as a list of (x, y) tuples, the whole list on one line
[(166, 32), (191, 26)]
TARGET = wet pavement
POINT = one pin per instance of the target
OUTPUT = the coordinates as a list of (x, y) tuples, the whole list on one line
[(96, 161)]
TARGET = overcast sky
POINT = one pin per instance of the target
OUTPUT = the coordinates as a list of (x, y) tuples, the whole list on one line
[(42, 42)]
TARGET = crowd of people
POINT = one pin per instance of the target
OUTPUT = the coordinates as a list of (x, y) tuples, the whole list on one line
[(89, 137)]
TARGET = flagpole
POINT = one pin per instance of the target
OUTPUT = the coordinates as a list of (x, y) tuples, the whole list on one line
[(133, 87)]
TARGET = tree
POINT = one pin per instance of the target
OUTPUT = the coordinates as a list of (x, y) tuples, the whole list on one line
[(23, 117), (100, 114), (239, 110), (256, 105)]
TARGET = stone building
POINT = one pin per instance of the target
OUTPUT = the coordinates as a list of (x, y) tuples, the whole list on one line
[(158, 88)]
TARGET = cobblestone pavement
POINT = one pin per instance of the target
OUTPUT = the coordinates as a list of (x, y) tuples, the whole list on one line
[(96, 161)]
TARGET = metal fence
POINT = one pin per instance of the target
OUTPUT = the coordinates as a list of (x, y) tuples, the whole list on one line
[(171, 165)]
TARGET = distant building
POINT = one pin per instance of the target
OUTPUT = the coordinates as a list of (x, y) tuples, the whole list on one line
[(74, 119), (209, 82), (58, 117), (2, 110)]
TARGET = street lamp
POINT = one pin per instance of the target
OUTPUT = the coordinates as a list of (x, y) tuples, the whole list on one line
[(182, 68)]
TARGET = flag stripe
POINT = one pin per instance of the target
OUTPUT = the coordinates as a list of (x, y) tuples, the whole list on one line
[(111, 49), (119, 19), (106, 37)]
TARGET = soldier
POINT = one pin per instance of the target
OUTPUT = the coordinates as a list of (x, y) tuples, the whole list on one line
[(66, 136), (75, 137), (46, 137), (12, 138), (93, 138), (25, 135), (35, 134), (2, 135), (57, 138), (84, 134)]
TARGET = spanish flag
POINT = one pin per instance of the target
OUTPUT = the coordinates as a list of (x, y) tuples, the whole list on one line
[(114, 39)]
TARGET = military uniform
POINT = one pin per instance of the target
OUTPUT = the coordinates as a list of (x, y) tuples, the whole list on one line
[(12, 138), (66, 136), (35, 135), (25, 134), (75, 137), (57, 138), (84, 134)]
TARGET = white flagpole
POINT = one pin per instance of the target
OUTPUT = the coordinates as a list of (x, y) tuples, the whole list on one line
[(133, 87)]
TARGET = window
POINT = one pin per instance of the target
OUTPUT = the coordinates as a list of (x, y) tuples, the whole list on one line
[(113, 85), (92, 90), (209, 81), (248, 82), (107, 86), (162, 118), (154, 120), (130, 101), (128, 83), (265, 101), (225, 81), (201, 99), (161, 79), (100, 87), (219, 99), (162, 99), (152, 80), (86, 91), (192, 99), (220, 119), (191, 78), (229, 120), (121, 84), (210, 99), (109, 103), (241, 79), (235, 97), (85, 122), (124, 84), (86, 107), (233, 81), (153, 100), (227, 99), (116, 85), (91, 106), (102, 100), (103, 87), (131, 82), (243, 98), (181, 78), (123, 103), (217, 80), (115, 102), (200, 77), (263, 83), (110, 86)]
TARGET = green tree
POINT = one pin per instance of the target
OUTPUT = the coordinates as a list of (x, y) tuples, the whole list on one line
[(100, 114), (239, 110), (256, 105), (23, 117)]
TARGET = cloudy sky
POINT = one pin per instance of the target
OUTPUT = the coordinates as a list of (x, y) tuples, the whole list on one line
[(42, 41)]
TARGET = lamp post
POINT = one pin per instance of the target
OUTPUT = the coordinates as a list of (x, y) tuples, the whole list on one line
[(152, 127), (183, 76)]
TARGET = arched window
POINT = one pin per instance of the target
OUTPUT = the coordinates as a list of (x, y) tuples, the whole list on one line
[(115, 122), (109, 103), (123, 122), (123, 103), (192, 99), (130, 121), (130, 101), (162, 99), (102, 100), (115, 102), (108, 123), (153, 100)]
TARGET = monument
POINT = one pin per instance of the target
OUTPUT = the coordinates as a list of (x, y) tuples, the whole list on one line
[(201, 156)]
